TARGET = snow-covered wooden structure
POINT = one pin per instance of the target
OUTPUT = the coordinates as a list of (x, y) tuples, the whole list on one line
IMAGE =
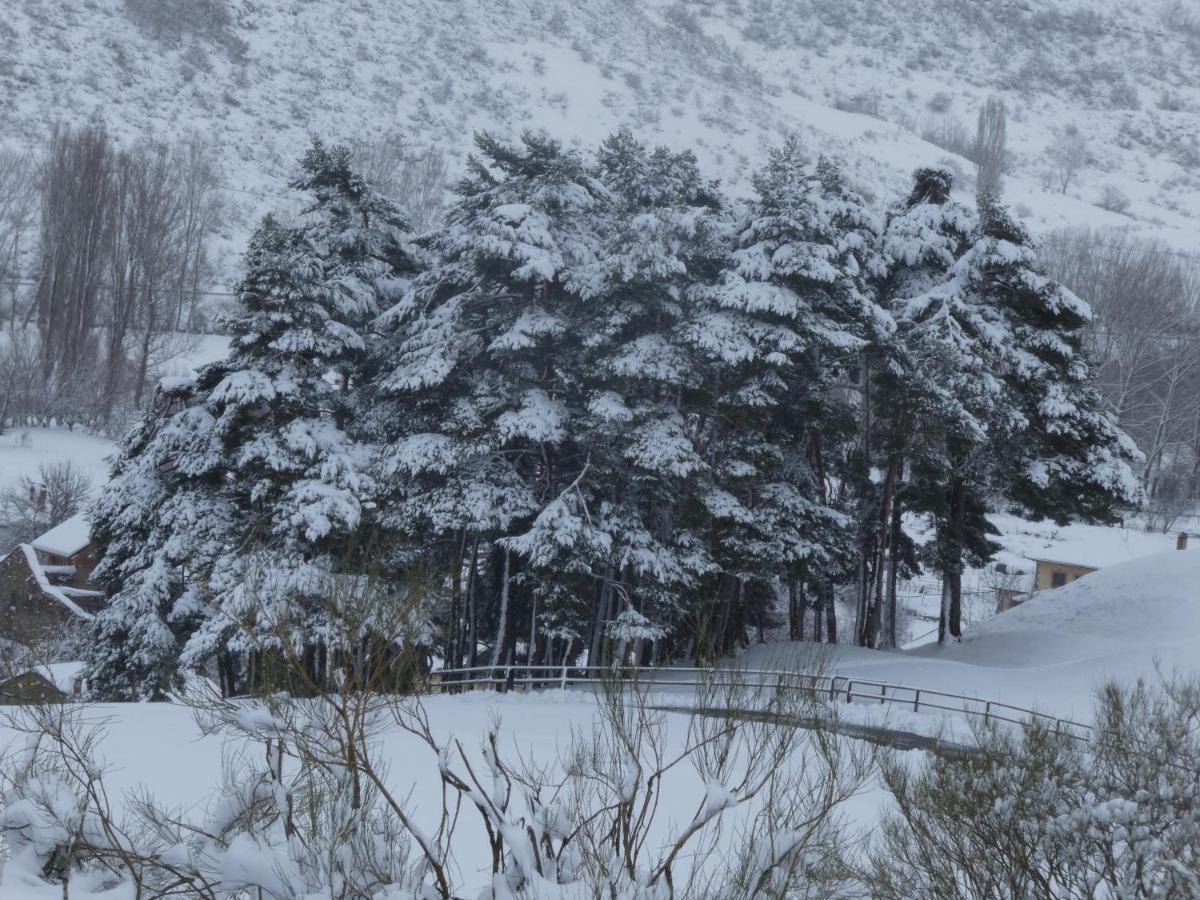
[(45, 584)]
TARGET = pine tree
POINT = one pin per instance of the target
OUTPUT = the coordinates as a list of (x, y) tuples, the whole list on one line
[(788, 322), (1069, 459), (268, 477), (476, 397), (665, 235), (160, 516), (298, 478), (940, 405)]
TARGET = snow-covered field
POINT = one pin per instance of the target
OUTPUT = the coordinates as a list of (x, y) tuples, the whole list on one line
[(1051, 654), (23, 450)]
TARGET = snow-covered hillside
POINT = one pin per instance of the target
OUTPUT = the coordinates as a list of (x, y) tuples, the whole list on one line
[(862, 79)]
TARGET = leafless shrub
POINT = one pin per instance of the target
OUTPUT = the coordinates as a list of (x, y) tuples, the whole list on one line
[(312, 802), (1114, 199), (1035, 813), (940, 102), (949, 134), (171, 20), (865, 103), (1180, 17)]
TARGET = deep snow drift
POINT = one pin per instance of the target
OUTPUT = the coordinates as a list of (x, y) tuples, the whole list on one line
[(1126, 621)]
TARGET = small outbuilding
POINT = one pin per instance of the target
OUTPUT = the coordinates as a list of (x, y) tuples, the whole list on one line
[(55, 683)]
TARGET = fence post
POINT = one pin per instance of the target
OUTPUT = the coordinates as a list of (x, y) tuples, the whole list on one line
[(882, 695), (564, 677), (849, 691), (917, 700), (987, 712)]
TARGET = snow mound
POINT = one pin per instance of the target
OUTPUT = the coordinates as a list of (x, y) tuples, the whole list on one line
[(1151, 600), (1133, 619)]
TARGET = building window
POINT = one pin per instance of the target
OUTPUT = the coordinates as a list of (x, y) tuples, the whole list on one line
[(1058, 579)]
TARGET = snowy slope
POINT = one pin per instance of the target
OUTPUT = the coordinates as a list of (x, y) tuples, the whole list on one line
[(1125, 621), (862, 79)]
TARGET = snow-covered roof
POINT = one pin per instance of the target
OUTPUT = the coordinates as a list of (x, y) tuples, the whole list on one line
[(66, 538), (1105, 548), (62, 675)]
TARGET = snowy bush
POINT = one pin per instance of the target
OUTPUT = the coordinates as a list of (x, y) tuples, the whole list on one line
[(1114, 199), (1036, 813)]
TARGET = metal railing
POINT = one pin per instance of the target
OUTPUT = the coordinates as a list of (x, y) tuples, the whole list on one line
[(838, 688)]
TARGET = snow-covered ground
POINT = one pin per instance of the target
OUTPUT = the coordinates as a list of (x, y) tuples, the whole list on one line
[(157, 748), (23, 450), (1126, 621), (1021, 542)]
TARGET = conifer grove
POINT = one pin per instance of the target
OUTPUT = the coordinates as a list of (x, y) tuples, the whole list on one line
[(601, 412)]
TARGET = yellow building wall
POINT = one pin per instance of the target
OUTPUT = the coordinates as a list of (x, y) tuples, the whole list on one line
[(1044, 575)]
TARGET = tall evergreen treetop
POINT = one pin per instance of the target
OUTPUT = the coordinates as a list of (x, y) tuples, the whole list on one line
[(1070, 459)]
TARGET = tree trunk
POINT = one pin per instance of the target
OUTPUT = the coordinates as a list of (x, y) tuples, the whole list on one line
[(889, 618), (796, 607), (830, 611), (950, 621), (502, 619)]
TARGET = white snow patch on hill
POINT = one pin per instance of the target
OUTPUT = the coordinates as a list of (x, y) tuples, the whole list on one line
[(867, 81)]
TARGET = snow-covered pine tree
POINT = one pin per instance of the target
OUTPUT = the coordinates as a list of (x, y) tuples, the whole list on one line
[(788, 322), (477, 397), (295, 477), (665, 233), (938, 405), (267, 476), (1069, 459), (161, 516)]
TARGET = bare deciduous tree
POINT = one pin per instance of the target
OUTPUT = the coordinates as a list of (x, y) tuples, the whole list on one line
[(1067, 156), (76, 229), (18, 207), (124, 256), (37, 503), (991, 143), (415, 178), (1145, 337)]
